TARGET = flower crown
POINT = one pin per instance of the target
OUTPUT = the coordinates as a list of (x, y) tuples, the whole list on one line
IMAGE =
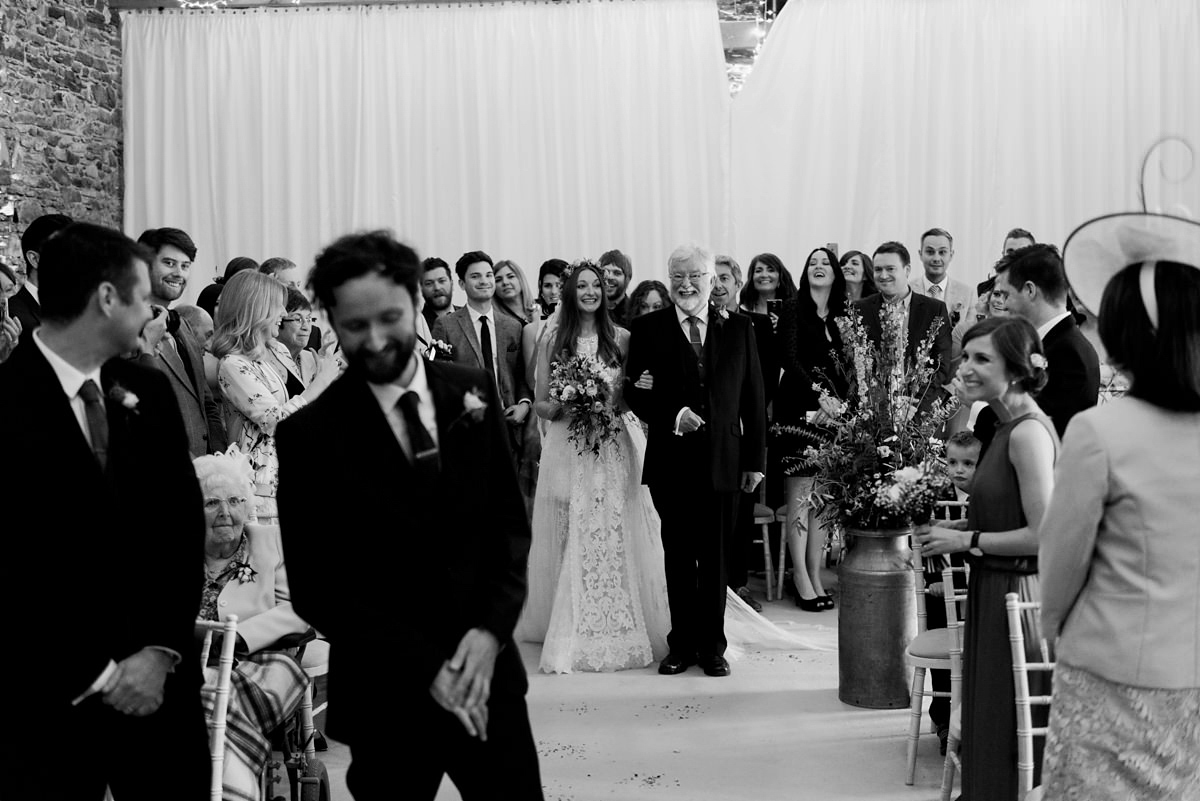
[(570, 269)]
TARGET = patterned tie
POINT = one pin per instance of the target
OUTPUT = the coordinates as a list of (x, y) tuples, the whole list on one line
[(935, 292), (424, 452), (694, 335), (97, 421)]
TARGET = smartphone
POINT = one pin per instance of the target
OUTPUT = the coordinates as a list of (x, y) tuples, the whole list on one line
[(774, 306)]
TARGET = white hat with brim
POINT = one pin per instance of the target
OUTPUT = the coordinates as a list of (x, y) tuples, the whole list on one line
[(1101, 248)]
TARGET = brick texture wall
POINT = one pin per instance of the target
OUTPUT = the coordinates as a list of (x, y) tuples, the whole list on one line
[(60, 113)]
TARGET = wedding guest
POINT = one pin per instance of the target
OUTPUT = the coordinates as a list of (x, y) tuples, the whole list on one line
[(550, 285), (174, 349), (618, 272), (25, 305), (1032, 284), (1118, 548), (648, 296), (1004, 364), (283, 270), (481, 337), (255, 397), (244, 575), (767, 281), (289, 351), (512, 291), (209, 298), (811, 343), (726, 286), (437, 290), (1015, 239), (461, 683), (859, 272), (10, 327), (236, 265), (892, 265), (104, 474), (937, 252), (202, 325)]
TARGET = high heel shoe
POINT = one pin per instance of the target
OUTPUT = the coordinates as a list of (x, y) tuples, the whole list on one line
[(826, 601), (810, 604)]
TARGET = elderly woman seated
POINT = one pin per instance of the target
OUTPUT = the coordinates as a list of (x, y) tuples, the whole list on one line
[(244, 575)]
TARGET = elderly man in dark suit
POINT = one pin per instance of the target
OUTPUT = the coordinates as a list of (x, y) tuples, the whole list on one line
[(1032, 284), (106, 588), (25, 305), (413, 439), (173, 347), (707, 441), (892, 268)]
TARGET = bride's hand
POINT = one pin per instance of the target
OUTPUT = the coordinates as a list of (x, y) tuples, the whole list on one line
[(645, 381)]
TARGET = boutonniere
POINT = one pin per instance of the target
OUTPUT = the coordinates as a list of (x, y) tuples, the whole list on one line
[(123, 398), (244, 573), (474, 407), (720, 312), (441, 349)]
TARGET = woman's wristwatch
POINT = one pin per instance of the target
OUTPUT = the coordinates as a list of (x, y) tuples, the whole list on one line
[(975, 550)]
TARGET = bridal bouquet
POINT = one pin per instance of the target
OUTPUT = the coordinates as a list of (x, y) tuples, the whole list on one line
[(583, 385), (877, 458)]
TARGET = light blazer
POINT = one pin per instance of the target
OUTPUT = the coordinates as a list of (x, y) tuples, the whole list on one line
[(1119, 549), (264, 605), (201, 412), (921, 312), (958, 296), (457, 330)]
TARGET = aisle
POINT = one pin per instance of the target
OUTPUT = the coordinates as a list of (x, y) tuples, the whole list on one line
[(772, 730)]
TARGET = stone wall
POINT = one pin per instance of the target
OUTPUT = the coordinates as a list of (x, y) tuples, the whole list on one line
[(60, 112)]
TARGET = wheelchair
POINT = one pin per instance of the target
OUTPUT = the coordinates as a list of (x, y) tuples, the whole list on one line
[(293, 743)]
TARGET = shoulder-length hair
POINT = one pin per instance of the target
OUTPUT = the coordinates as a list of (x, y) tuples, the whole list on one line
[(868, 281), (251, 302), (837, 293), (637, 299), (569, 321), (787, 286), (525, 301), (1163, 363)]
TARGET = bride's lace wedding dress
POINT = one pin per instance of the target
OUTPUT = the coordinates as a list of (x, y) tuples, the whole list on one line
[(597, 595)]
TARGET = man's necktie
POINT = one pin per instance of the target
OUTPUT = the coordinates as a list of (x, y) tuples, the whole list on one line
[(93, 411), (935, 292), (424, 452), (485, 345), (694, 336)]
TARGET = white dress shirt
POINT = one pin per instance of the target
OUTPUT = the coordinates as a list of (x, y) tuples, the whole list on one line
[(72, 381), (388, 395), (701, 316), (1049, 324), (33, 291), (491, 318)]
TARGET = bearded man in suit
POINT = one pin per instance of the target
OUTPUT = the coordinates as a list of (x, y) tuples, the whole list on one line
[(707, 440), (102, 650), (413, 439)]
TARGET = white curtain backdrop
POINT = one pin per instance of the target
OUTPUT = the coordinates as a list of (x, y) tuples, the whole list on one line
[(866, 120), (529, 130)]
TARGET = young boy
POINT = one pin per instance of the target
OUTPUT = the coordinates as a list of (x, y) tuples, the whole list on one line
[(962, 456)]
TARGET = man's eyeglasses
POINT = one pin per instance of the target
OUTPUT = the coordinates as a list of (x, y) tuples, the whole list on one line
[(298, 318), (677, 278)]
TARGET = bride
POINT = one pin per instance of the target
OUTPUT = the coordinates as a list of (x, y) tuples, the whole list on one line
[(597, 595)]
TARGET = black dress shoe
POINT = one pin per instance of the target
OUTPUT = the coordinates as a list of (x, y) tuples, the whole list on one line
[(714, 666), (675, 664)]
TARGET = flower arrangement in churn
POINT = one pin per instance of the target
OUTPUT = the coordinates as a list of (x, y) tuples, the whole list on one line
[(876, 455), (584, 387)]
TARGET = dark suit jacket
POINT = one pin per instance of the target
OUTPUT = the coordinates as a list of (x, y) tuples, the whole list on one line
[(807, 359), (922, 311), (110, 559), (27, 310), (374, 522), (457, 329), (184, 369), (1072, 374), (736, 419)]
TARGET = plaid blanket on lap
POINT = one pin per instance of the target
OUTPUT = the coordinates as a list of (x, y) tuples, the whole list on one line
[(265, 691)]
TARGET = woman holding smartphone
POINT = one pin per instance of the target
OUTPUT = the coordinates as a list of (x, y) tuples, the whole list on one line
[(768, 286), (10, 327)]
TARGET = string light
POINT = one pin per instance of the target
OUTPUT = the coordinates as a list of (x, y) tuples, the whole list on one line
[(210, 5)]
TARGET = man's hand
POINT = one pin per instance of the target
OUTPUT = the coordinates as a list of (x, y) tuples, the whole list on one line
[(517, 413), (153, 331), (474, 720), (750, 480), (689, 421), (645, 381), (136, 688), (474, 662)]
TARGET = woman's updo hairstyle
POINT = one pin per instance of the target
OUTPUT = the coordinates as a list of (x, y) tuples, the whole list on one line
[(1018, 343)]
